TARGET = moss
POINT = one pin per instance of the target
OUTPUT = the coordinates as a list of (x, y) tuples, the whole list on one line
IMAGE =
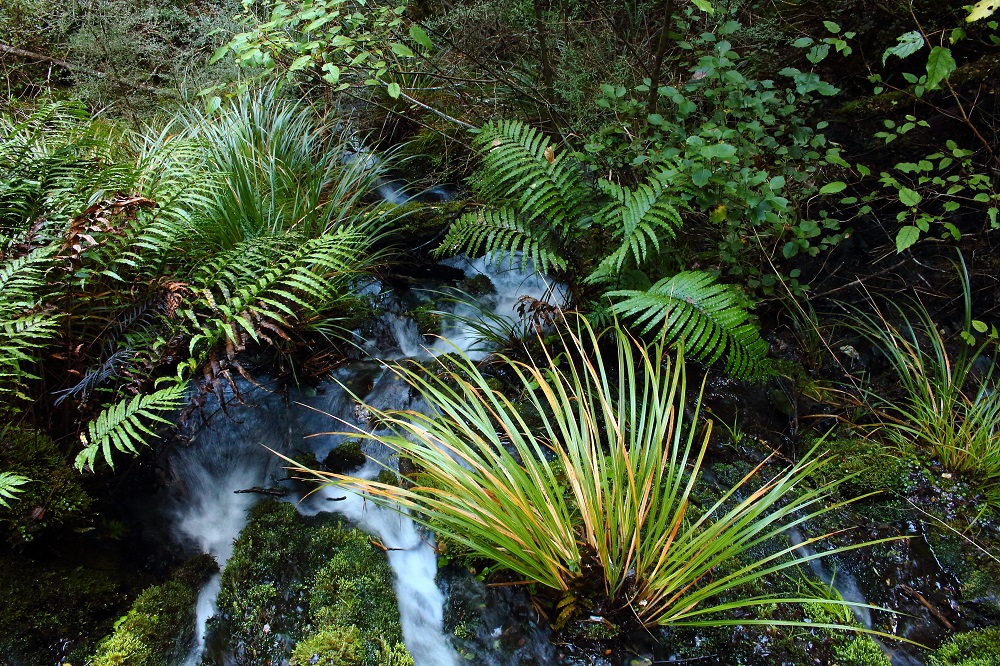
[(345, 457), (53, 497), (860, 651), (156, 631), (336, 646), (975, 648), (394, 654)]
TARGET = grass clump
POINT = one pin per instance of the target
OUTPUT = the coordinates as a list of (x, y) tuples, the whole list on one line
[(948, 402), (594, 501)]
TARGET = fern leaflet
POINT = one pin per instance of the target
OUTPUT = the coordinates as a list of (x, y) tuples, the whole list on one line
[(499, 232), (9, 486)]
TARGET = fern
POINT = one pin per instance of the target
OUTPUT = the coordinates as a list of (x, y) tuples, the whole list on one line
[(495, 233), (26, 324), (269, 283), (9, 486), (522, 168), (636, 219), (125, 425), (705, 316)]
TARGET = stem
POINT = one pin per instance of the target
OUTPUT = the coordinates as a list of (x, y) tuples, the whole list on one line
[(661, 49), (548, 78)]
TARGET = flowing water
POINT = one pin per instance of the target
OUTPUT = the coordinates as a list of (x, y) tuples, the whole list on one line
[(227, 454)]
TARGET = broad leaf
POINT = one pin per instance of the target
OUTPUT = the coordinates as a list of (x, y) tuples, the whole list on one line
[(940, 65), (907, 44), (906, 237)]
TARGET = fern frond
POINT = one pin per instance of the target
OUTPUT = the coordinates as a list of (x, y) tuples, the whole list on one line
[(702, 315), (496, 233), (272, 282), (126, 425), (26, 324), (521, 169), (9, 486), (637, 219)]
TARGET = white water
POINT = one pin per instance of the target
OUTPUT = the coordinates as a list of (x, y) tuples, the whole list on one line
[(227, 456)]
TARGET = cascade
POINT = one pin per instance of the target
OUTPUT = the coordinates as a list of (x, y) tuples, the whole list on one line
[(227, 455)]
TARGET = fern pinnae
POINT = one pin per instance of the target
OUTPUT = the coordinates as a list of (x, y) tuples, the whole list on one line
[(125, 424), (705, 315)]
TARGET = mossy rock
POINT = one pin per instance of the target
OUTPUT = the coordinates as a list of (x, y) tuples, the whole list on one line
[(975, 648), (53, 497), (478, 286), (291, 578), (54, 604), (157, 630), (414, 224), (345, 457), (427, 320)]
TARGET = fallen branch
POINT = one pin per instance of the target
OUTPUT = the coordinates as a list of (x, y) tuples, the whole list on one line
[(21, 53), (929, 606), (274, 492)]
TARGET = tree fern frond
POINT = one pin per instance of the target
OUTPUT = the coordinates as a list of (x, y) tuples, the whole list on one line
[(9, 486), (125, 425), (496, 233), (703, 315), (522, 170)]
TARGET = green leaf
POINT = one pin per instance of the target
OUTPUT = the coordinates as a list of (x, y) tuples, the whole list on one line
[(418, 35), (300, 63), (907, 44), (720, 151), (704, 5), (980, 326), (832, 27), (906, 237), (908, 197), (219, 54), (394, 90), (802, 42), (834, 187), (940, 65), (700, 177), (402, 50), (331, 73)]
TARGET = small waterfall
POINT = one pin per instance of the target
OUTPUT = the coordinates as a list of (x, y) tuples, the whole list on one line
[(227, 455)]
